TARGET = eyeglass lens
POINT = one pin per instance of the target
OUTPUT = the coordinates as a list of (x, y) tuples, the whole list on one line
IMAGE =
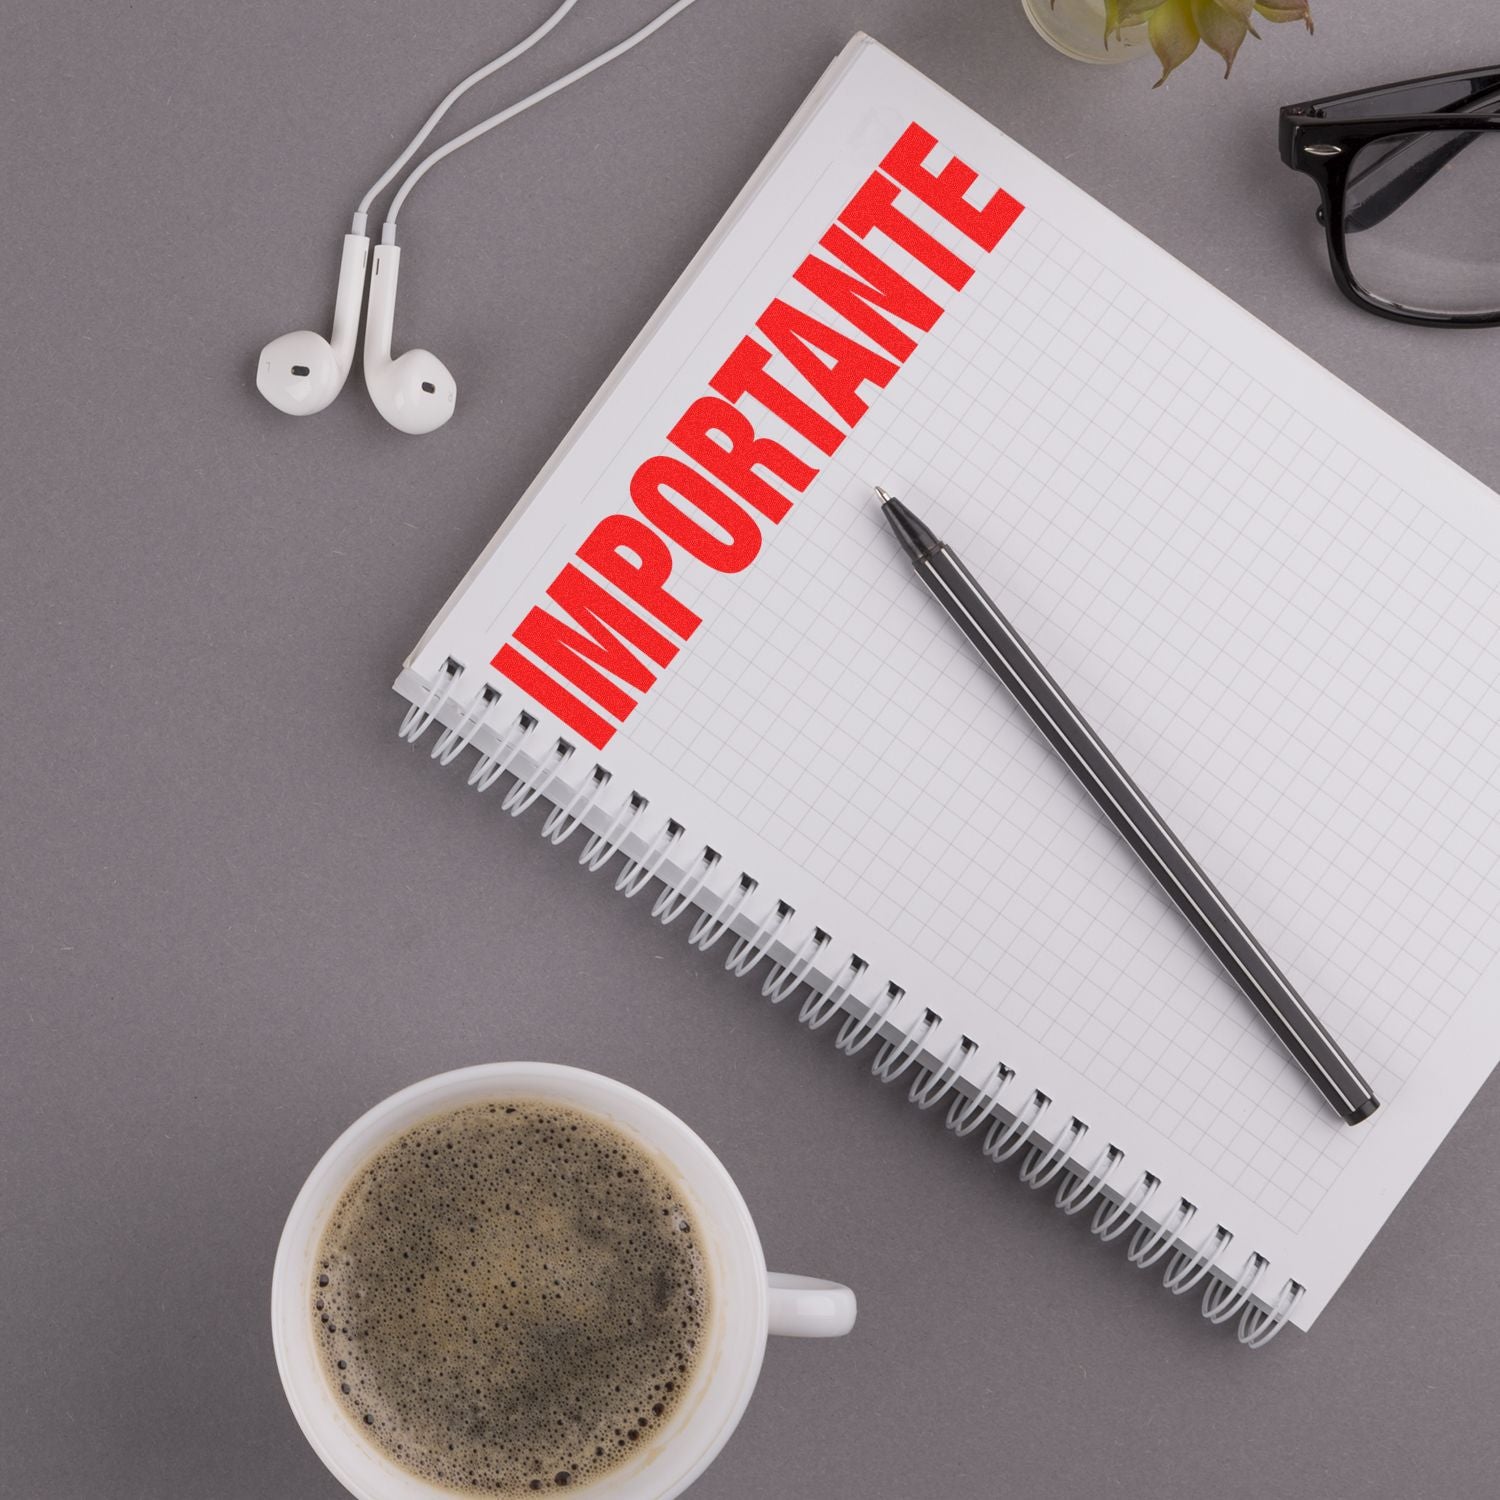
[(1422, 221)]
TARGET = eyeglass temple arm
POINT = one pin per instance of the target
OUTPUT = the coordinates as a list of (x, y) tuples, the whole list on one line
[(1382, 203), (1387, 100)]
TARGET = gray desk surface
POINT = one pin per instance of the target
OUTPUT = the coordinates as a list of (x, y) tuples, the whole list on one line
[(236, 911)]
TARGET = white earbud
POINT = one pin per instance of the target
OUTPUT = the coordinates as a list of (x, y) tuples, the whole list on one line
[(301, 372), (414, 393)]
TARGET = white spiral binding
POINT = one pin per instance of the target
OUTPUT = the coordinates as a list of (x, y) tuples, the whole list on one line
[(1148, 1244), (711, 926), (600, 848), (783, 980), (929, 1087), (1185, 1271), (1013, 1126), (967, 1114), (1112, 1219), (894, 1058), (488, 769), (1223, 1299), (1258, 1326), (636, 874), (857, 1032), (526, 789), (559, 824), (821, 1006), (452, 742), (1040, 1167), (419, 716), (1005, 1137), (1078, 1189), (745, 953), (674, 898)]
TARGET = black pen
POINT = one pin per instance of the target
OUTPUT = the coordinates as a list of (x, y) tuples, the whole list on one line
[(1123, 802)]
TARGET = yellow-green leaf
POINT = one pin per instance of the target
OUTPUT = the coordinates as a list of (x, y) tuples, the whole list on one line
[(1243, 9), (1220, 28), (1286, 10), (1173, 34), (1129, 12)]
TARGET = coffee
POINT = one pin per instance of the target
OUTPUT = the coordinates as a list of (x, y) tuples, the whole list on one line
[(511, 1297)]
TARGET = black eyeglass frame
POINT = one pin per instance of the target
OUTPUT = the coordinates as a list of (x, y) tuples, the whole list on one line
[(1322, 138)]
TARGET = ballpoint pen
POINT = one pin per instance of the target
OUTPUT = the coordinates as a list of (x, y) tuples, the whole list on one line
[(1126, 806)]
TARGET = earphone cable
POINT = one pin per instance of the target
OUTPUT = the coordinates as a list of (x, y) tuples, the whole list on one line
[(388, 232), (449, 100)]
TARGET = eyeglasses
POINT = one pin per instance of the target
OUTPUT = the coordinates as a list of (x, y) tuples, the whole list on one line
[(1410, 178)]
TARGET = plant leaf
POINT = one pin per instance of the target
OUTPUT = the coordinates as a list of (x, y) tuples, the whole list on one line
[(1131, 12), (1286, 10), (1241, 9), (1174, 35), (1221, 29)]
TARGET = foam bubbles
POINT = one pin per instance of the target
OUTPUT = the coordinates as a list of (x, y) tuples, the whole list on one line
[(510, 1298)]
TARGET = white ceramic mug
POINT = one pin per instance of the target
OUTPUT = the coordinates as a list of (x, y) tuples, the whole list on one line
[(748, 1302)]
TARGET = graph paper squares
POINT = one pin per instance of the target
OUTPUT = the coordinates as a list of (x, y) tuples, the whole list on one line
[(1288, 652)]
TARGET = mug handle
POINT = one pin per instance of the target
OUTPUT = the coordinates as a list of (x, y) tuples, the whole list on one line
[(802, 1307)]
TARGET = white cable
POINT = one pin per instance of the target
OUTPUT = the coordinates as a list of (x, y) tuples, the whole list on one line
[(388, 233), (449, 100)]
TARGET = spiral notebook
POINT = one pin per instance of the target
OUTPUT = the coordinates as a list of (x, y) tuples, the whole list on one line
[(696, 640)]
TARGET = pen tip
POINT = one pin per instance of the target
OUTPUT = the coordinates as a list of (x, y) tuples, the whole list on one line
[(917, 538)]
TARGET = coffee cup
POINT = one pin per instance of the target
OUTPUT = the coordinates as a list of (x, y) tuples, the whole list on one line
[(747, 1305)]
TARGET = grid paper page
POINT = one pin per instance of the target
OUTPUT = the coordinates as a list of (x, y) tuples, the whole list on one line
[(1278, 608), (1248, 612)]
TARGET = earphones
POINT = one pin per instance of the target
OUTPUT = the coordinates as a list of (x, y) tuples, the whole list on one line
[(413, 392), (301, 373)]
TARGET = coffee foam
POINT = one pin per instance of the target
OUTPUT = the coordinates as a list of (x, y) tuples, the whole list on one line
[(510, 1297)]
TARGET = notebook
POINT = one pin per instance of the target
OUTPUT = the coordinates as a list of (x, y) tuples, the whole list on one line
[(695, 640)]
